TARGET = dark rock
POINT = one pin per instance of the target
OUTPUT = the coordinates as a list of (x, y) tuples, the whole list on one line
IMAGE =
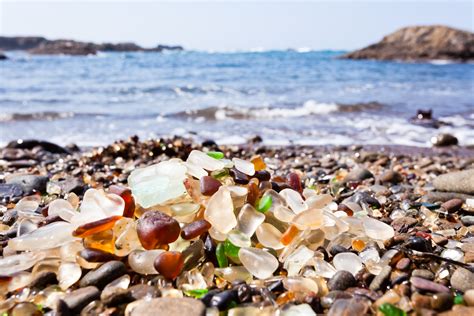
[(223, 299), (10, 191), (402, 224), (423, 273), (30, 183), (341, 281), (419, 244), (335, 249), (443, 140), (381, 279), (462, 280), (421, 43), (460, 181), (169, 307), (427, 285), (436, 196), (403, 264), (358, 174), (118, 297), (442, 301), (20, 42), (32, 143), (78, 299), (43, 279), (103, 275), (71, 184), (349, 307), (453, 205), (391, 176)]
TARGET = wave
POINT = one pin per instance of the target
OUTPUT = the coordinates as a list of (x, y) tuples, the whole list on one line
[(45, 116), (309, 108)]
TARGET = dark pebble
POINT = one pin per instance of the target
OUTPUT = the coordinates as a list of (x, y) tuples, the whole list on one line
[(442, 301), (403, 264), (391, 176), (341, 281), (222, 300), (462, 280), (43, 279), (29, 183), (427, 285), (468, 220), (419, 244), (118, 297), (452, 205), (77, 300), (96, 255), (423, 273), (10, 191), (337, 249), (358, 174), (244, 293), (103, 275)]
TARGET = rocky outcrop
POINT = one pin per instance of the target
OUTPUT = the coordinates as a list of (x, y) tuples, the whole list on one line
[(20, 42), (2, 56), (43, 46), (421, 43)]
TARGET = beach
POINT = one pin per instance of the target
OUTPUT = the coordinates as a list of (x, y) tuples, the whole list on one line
[(413, 256)]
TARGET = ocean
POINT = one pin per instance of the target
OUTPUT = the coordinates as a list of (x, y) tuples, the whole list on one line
[(295, 96)]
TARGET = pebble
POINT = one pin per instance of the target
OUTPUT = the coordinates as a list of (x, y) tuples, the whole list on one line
[(452, 205), (341, 281), (223, 299), (459, 181), (462, 280), (442, 301), (468, 220), (349, 307), (78, 299), (427, 285), (419, 244), (10, 191), (469, 297), (379, 281), (170, 307), (358, 174), (442, 140), (103, 275), (391, 176), (43, 279), (402, 224), (423, 273), (29, 183), (403, 264)]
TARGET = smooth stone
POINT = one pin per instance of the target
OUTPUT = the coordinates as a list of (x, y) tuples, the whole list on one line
[(442, 301), (358, 174), (103, 275), (380, 279), (349, 307), (10, 191), (462, 280), (391, 176), (403, 264), (170, 307), (442, 140), (223, 299), (402, 224), (427, 285), (452, 205), (78, 299), (460, 181), (118, 297), (467, 220), (423, 273), (70, 184), (469, 297), (419, 244), (341, 281), (437, 196), (30, 183)]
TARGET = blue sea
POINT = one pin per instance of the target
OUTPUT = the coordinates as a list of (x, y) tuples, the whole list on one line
[(294, 96)]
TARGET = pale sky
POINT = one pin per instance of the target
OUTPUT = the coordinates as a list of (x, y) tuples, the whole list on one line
[(229, 25)]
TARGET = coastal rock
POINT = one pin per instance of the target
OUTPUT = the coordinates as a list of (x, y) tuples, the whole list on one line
[(169, 306), (443, 140), (30, 183), (460, 181), (32, 143), (20, 42), (64, 47), (417, 43), (462, 280)]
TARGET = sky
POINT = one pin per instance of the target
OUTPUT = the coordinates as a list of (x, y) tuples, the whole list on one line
[(229, 25)]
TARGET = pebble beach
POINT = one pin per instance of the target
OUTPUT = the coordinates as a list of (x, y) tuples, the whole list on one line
[(194, 228)]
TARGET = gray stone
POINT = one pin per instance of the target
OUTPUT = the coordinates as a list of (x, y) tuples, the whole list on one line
[(460, 181), (30, 183), (427, 285), (44, 279), (380, 279), (170, 307), (423, 273), (78, 299), (468, 220), (436, 196), (358, 174), (10, 191), (103, 275), (462, 280), (391, 176), (341, 281)]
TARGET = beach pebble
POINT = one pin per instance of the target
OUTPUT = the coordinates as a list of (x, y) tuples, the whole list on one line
[(170, 307), (103, 275), (469, 297), (442, 301), (43, 279), (390, 176), (423, 273), (358, 174), (10, 191), (223, 299), (459, 181), (29, 183), (462, 280), (76, 300), (452, 205), (468, 220), (427, 285), (442, 140), (403, 264), (348, 307), (379, 281), (341, 281)]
